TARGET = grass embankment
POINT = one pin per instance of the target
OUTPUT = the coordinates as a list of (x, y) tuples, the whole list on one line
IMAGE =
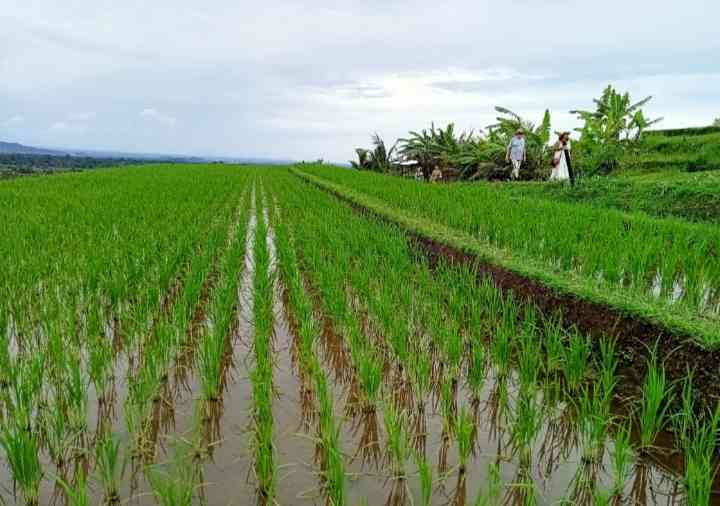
[(690, 150), (671, 173), (465, 233), (664, 194)]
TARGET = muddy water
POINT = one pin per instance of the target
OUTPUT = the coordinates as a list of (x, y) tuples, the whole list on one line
[(227, 473), (298, 481)]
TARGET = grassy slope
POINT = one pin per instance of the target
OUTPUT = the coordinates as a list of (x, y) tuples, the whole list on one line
[(661, 178), (678, 320), (691, 196)]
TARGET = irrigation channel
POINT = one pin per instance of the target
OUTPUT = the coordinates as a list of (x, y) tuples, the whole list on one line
[(305, 353)]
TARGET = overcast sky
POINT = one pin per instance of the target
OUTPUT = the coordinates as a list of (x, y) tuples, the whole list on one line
[(314, 79)]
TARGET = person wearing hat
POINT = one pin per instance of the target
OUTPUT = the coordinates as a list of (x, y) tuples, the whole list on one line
[(516, 152)]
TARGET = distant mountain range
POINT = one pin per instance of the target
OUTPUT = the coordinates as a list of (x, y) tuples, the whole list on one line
[(20, 149), (13, 148)]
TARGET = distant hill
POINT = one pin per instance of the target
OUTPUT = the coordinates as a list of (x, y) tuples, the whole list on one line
[(13, 148)]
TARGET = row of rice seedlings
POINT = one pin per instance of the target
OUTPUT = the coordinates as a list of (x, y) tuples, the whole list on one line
[(328, 427), (264, 466), (366, 363), (213, 347), (158, 351), (654, 403)]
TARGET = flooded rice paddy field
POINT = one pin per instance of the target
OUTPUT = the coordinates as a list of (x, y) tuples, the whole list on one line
[(392, 380)]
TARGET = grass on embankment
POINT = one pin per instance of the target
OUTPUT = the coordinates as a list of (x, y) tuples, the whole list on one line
[(664, 194), (677, 320), (671, 173)]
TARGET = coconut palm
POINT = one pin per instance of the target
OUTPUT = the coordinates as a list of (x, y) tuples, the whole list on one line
[(379, 159)]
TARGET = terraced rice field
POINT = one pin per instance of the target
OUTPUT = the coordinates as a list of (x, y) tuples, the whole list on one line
[(182, 335)]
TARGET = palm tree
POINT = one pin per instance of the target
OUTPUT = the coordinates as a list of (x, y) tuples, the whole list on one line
[(379, 159), (421, 147)]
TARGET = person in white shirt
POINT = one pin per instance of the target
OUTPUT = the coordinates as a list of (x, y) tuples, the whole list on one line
[(516, 152)]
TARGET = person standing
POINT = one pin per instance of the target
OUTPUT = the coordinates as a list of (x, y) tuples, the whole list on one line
[(436, 175), (562, 160), (516, 153)]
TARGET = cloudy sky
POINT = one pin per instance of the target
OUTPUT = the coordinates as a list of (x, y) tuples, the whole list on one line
[(303, 80)]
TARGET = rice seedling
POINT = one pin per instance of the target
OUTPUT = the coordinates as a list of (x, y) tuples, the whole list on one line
[(55, 433), (464, 433), (684, 420), (554, 345), (398, 449), (477, 370), (76, 395), (522, 490), (501, 351), (109, 467), (654, 403), (370, 374), (491, 495), (426, 479), (593, 419), (607, 368), (76, 494), (621, 459), (210, 364), (420, 371), (526, 424), (701, 464), (602, 497), (397, 453), (21, 450), (174, 484), (100, 363), (575, 360)]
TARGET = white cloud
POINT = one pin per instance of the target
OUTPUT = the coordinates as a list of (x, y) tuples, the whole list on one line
[(154, 115)]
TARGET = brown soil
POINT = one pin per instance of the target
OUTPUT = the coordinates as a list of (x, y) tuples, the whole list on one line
[(635, 337)]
